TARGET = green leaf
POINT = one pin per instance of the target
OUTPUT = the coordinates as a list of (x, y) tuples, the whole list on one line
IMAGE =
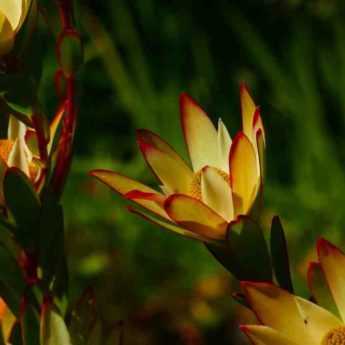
[(7, 239), (245, 253), (30, 327), (24, 205), (11, 281), (20, 99), (51, 233), (15, 337), (53, 330), (280, 257)]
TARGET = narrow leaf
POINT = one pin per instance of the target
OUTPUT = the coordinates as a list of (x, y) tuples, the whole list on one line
[(245, 254), (24, 205), (280, 257)]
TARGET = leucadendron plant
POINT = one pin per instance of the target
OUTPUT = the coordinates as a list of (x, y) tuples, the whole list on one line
[(35, 159), (216, 199), (287, 319)]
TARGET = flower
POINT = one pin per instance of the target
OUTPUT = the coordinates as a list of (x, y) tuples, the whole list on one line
[(291, 320), (20, 150), (223, 183), (12, 16)]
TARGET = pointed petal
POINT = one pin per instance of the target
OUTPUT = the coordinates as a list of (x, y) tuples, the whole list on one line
[(319, 288), (172, 227), (262, 335), (167, 165), (32, 141), (54, 125), (216, 193), (16, 129), (136, 194), (248, 108), (224, 144), (12, 10), (123, 185), (269, 301), (6, 35), (332, 261), (19, 157), (25, 9), (261, 153), (244, 174), (192, 214), (258, 124), (200, 134), (318, 321)]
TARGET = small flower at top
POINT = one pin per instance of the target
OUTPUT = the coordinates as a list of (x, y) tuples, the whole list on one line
[(286, 319), (223, 182), (12, 17)]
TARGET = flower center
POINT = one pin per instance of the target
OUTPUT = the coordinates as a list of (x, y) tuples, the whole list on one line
[(335, 336), (195, 186)]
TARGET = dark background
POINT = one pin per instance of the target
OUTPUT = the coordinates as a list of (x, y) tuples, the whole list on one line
[(139, 56)]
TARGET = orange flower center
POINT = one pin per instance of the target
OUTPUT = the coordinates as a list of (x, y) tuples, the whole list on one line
[(335, 336), (195, 186)]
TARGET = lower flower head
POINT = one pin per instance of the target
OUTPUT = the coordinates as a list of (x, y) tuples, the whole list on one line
[(290, 320)]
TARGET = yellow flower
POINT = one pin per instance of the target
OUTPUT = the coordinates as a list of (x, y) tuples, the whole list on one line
[(290, 320), (20, 150), (12, 16), (222, 184)]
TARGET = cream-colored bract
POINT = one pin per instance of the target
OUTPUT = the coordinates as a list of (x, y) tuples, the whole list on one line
[(290, 320), (222, 182), (12, 16), (20, 150)]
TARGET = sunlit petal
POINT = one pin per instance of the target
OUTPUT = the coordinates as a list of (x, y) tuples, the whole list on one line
[(123, 185), (248, 110), (269, 301), (12, 9), (262, 335), (332, 261), (200, 134), (216, 192), (6, 35), (167, 225), (318, 321), (244, 174), (192, 214), (224, 144), (19, 157), (167, 165)]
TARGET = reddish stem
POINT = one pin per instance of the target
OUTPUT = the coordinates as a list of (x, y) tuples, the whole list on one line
[(66, 13), (65, 146)]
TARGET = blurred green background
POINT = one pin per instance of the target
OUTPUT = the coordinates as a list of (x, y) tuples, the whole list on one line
[(139, 56)]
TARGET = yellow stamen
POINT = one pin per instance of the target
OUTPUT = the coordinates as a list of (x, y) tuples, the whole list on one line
[(195, 186), (335, 336)]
